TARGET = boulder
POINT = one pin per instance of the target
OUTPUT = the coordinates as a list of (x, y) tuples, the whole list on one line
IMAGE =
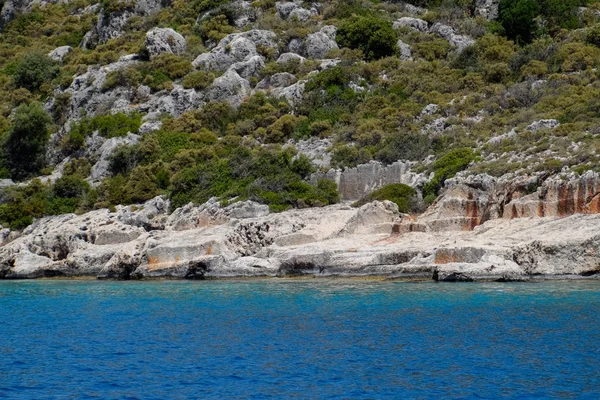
[(290, 57), (279, 80), (318, 44), (164, 40), (460, 42), (229, 87), (249, 68), (60, 53), (404, 50), (236, 47), (487, 8), (416, 24)]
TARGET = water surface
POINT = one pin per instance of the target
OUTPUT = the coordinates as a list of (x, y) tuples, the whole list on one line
[(301, 339)]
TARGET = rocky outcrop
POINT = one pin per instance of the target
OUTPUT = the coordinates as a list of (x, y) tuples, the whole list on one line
[(471, 201), (60, 53), (355, 183), (164, 40), (404, 50), (244, 240), (294, 9), (112, 25), (234, 48), (318, 44), (487, 8), (460, 42), (229, 87), (416, 24)]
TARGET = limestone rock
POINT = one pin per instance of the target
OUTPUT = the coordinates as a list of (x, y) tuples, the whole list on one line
[(318, 44), (405, 51), (100, 168), (460, 42), (416, 24), (279, 80), (164, 40), (229, 87), (290, 57), (249, 68), (233, 48), (60, 53), (487, 8)]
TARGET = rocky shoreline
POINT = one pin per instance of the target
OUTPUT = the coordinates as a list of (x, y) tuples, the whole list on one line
[(375, 241)]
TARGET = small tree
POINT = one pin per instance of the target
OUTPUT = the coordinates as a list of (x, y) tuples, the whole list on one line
[(518, 19), (25, 147), (35, 70), (374, 36)]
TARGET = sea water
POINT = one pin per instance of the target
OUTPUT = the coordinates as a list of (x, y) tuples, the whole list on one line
[(298, 339)]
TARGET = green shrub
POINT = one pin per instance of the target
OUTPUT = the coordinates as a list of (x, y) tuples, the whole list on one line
[(197, 80), (446, 167), (25, 148), (34, 71), (374, 36), (403, 195), (518, 19)]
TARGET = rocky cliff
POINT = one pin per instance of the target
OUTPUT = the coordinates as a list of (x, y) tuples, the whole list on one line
[(470, 233)]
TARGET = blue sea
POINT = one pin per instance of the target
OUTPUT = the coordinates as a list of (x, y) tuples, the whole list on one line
[(298, 339)]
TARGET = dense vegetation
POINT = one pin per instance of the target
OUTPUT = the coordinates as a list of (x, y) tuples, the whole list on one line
[(537, 61)]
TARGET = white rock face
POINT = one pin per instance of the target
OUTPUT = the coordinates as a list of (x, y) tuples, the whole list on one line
[(318, 44), (164, 40), (290, 57), (487, 8), (460, 42), (404, 50), (416, 24), (229, 87), (244, 240), (249, 68), (234, 48), (60, 53)]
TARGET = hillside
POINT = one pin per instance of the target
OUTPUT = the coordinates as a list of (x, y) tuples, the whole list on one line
[(117, 102)]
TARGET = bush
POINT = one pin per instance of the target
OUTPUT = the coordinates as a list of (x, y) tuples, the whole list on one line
[(374, 36), (34, 71), (518, 19), (446, 167), (197, 80), (403, 195), (25, 148)]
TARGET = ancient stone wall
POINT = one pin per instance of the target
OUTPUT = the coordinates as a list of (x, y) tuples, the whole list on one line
[(355, 183)]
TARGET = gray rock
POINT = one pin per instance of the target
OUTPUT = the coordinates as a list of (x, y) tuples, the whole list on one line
[(318, 44), (416, 24), (296, 46), (152, 215), (60, 53), (405, 51), (542, 124), (249, 68), (302, 14), (284, 9), (164, 40), (149, 127), (290, 57), (460, 42), (100, 168), (229, 87), (487, 8), (246, 209), (236, 47), (293, 94), (279, 80)]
